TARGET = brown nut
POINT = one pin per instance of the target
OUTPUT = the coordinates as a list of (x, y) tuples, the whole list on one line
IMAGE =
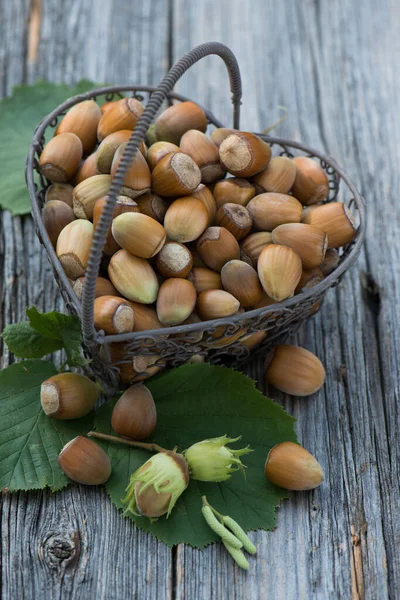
[(133, 277), (87, 169), (145, 317), (278, 176), (60, 158), (176, 301), (311, 184), (205, 279), (204, 153), (137, 180), (186, 219), (251, 246), (216, 246), (279, 269), (104, 287), (270, 210), (307, 241), (203, 193), (176, 174), (107, 105), (233, 190), (84, 461), (113, 314), (152, 205), (129, 375), (292, 467), (174, 260), (244, 154), (56, 215), (86, 194), (135, 415), (104, 154), (294, 370), (331, 261), (60, 191), (215, 304), (265, 301), (82, 120), (73, 247), (122, 206), (335, 219), (234, 218), (121, 114), (68, 396), (309, 278), (177, 119), (158, 150), (241, 280), (138, 234), (218, 135)]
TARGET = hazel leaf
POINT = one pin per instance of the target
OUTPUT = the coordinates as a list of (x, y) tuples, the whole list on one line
[(57, 326), (196, 402), (29, 440), (46, 333), (20, 114), (25, 342)]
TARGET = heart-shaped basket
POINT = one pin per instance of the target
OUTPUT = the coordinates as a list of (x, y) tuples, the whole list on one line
[(230, 340)]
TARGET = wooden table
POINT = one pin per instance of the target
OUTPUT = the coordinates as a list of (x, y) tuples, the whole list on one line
[(334, 65)]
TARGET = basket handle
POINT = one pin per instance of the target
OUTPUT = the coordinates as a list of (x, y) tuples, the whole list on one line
[(154, 103)]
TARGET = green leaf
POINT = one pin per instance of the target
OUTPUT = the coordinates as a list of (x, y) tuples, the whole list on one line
[(50, 324), (45, 333), (29, 440), (197, 402), (19, 116), (25, 342), (57, 326)]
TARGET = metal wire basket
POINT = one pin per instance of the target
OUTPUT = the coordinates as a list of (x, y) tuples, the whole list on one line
[(219, 341)]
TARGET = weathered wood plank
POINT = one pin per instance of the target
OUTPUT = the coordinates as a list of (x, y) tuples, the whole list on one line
[(332, 65), (74, 544)]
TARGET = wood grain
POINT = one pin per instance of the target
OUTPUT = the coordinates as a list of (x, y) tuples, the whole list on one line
[(334, 65), (73, 544), (317, 60)]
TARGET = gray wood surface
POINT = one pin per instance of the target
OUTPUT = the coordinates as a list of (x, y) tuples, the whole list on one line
[(334, 65)]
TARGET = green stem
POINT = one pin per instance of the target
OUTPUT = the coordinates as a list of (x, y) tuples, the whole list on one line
[(206, 503), (117, 440)]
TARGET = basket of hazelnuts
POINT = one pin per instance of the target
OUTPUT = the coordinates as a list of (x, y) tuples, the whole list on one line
[(174, 245)]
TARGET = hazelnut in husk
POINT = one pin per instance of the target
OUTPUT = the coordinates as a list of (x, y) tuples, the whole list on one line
[(156, 486)]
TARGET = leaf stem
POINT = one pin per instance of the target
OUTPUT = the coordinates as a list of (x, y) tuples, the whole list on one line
[(117, 440), (206, 503)]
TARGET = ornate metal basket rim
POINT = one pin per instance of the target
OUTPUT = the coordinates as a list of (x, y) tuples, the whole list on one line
[(329, 281)]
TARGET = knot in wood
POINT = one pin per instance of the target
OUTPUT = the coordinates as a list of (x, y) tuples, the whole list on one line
[(59, 550)]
